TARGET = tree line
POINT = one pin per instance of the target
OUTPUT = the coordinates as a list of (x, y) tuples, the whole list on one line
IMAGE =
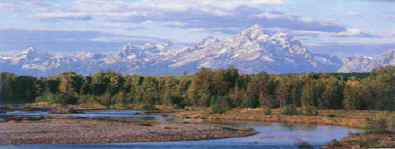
[(207, 88)]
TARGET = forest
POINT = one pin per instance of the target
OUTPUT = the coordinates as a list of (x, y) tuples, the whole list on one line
[(207, 88)]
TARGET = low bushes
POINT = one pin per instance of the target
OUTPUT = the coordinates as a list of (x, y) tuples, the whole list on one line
[(62, 99), (218, 109), (267, 110), (289, 110), (380, 125), (148, 108), (393, 122), (309, 110)]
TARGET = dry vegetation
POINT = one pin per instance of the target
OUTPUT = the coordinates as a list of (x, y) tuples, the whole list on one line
[(348, 118), (82, 131), (354, 118)]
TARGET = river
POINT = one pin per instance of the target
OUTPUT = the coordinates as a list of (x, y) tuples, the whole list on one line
[(270, 135)]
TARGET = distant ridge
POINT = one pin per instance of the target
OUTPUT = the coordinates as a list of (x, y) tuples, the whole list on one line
[(251, 51)]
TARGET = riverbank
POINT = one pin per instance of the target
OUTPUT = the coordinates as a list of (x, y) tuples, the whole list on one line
[(90, 131), (353, 119)]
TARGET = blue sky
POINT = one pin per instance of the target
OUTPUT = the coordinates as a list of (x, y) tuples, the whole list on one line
[(336, 27)]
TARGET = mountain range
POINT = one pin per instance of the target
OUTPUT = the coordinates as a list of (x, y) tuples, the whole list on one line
[(251, 51)]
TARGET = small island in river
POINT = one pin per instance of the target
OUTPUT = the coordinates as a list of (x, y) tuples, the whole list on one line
[(96, 130)]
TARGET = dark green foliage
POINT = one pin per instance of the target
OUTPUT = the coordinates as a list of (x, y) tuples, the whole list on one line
[(334, 143), (288, 110), (218, 109), (178, 102), (148, 108), (207, 88), (250, 102), (17, 89), (62, 99), (380, 125), (309, 110), (267, 110)]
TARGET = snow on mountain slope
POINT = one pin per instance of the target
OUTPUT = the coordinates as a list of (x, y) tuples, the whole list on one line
[(251, 51), (366, 64)]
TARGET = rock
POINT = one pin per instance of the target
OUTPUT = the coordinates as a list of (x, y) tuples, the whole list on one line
[(63, 110)]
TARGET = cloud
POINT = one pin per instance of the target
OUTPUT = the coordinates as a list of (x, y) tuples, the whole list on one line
[(65, 16), (271, 15), (227, 16), (119, 25), (171, 5), (352, 13), (348, 32), (60, 41), (4, 6), (391, 18), (180, 18)]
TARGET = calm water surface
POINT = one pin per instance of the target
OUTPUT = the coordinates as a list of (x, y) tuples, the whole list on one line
[(106, 113), (270, 136)]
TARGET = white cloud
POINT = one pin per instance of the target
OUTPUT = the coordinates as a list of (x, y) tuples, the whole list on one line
[(306, 19), (165, 23), (350, 32), (203, 16), (391, 18), (120, 8), (183, 5), (4, 6), (352, 13), (119, 25), (269, 15)]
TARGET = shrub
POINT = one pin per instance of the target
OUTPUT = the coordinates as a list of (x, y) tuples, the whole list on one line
[(309, 110), (62, 99), (218, 109), (288, 110), (251, 102), (393, 122), (331, 115), (334, 142), (178, 102), (267, 110), (148, 108), (378, 126), (381, 125)]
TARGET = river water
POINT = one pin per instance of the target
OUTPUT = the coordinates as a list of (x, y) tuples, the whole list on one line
[(270, 135)]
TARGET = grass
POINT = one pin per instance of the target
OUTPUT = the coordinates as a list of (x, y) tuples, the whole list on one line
[(355, 118), (347, 118)]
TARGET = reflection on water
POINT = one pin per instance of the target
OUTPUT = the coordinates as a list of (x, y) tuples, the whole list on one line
[(132, 114), (270, 136)]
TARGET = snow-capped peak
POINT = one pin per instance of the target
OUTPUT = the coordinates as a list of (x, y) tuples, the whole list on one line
[(255, 32), (29, 52), (128, 51), (163, 46)]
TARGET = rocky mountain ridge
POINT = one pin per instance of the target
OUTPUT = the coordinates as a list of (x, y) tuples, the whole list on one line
[(251, 51)]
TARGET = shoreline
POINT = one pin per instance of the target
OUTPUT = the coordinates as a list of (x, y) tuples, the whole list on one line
[(256, 116), (350, 119), (193, 119), (98, 131)]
